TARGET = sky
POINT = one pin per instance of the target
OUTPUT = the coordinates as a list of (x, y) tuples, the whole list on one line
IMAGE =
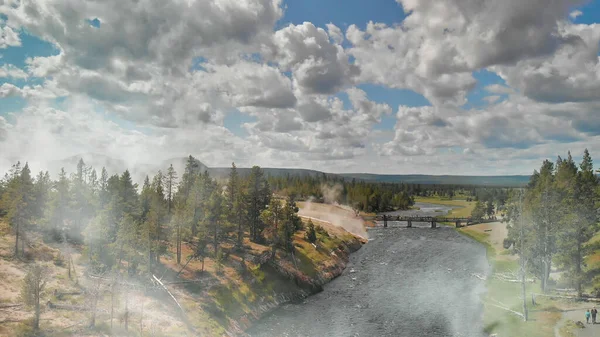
[(466, 87)]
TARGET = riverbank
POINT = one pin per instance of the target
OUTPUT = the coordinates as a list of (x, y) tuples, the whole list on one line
[(213, 297), (391, 286), (502, 301)]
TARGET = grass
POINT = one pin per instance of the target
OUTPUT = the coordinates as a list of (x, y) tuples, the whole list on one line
[(542, 318), (482, 238), (567, 329), (464, 207)]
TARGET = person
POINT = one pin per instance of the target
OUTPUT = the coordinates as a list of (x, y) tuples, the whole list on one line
[(594, 313), (587, 316)]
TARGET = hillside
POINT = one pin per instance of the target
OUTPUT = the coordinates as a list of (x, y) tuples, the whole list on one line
[(113, 165), (215, 299)]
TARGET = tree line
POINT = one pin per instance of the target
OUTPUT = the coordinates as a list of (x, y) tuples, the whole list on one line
[(361, 195), (554, 217), (121, 224)]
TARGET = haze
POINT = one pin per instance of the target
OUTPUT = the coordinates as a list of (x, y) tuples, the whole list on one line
[(437, 87)]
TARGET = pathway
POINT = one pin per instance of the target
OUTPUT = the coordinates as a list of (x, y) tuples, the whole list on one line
[(590, 330)]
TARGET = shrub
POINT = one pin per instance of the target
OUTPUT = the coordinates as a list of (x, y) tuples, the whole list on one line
[(311, 234), (59, 260), (26, 329), (320, 230)]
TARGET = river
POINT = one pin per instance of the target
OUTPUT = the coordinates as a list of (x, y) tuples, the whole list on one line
[(404, 282)]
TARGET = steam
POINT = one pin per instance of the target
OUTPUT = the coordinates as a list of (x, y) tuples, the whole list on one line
[(331, 194), (332, 212)]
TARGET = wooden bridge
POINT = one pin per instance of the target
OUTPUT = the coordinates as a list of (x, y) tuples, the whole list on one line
[(428, 219)]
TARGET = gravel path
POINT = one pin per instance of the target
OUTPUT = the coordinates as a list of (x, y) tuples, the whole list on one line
[(590, 330), (404, 282)]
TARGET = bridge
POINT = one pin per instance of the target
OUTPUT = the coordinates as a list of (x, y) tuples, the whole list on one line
[(428, 219)]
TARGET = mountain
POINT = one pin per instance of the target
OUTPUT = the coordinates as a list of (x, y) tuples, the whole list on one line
[(141, 170)]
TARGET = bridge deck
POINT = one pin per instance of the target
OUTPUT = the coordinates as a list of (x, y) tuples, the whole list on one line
[(427, 218)]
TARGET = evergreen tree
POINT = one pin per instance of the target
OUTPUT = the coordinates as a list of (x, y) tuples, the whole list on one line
[(489, 208), (479, 211), (311, 234), (170, 182), (33, 290), (259, 196), (215, 216), (291, 224), (103, 188), (42, 187), (578, 216)]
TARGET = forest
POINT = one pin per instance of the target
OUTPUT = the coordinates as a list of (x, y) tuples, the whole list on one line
[(120, 228), (363, 196), (553, 222)]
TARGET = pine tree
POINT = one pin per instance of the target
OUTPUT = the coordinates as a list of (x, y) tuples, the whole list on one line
[(479, 211), (311, 234), (489, 208), (103, 186), (19, 200), (170, 182), (215, 216), (579, 219), (259, 195), (291, 224), (233, 202), (33, 290), (272, 217), (42, 186)]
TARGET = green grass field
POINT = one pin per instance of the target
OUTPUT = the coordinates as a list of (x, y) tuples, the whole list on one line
[(464, 210)]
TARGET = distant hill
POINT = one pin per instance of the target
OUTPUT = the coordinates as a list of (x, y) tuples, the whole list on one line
[(507, 181), (140, 171), (222, 172)]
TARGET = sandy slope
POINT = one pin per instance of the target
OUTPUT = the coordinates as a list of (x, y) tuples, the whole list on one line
[(334, 214)]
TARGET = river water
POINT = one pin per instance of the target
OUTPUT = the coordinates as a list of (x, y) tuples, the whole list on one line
[(405, 282)]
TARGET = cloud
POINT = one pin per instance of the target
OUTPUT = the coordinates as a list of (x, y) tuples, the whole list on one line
[(9, 90), (250, 84), (8, 37), (392, 57), (317, 65), (492, 99), (440, 43), (10, 71), (42, 134), (571, 74), (335, 33), (319, 128), (143, 47), (40, 66), (170, 72), (575, 14)]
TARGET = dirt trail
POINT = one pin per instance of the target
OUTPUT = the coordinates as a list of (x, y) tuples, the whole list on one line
[(336, 215), (497, 233), (404, 282)]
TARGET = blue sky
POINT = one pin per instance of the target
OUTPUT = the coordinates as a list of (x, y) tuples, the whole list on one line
[(282, 88)]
